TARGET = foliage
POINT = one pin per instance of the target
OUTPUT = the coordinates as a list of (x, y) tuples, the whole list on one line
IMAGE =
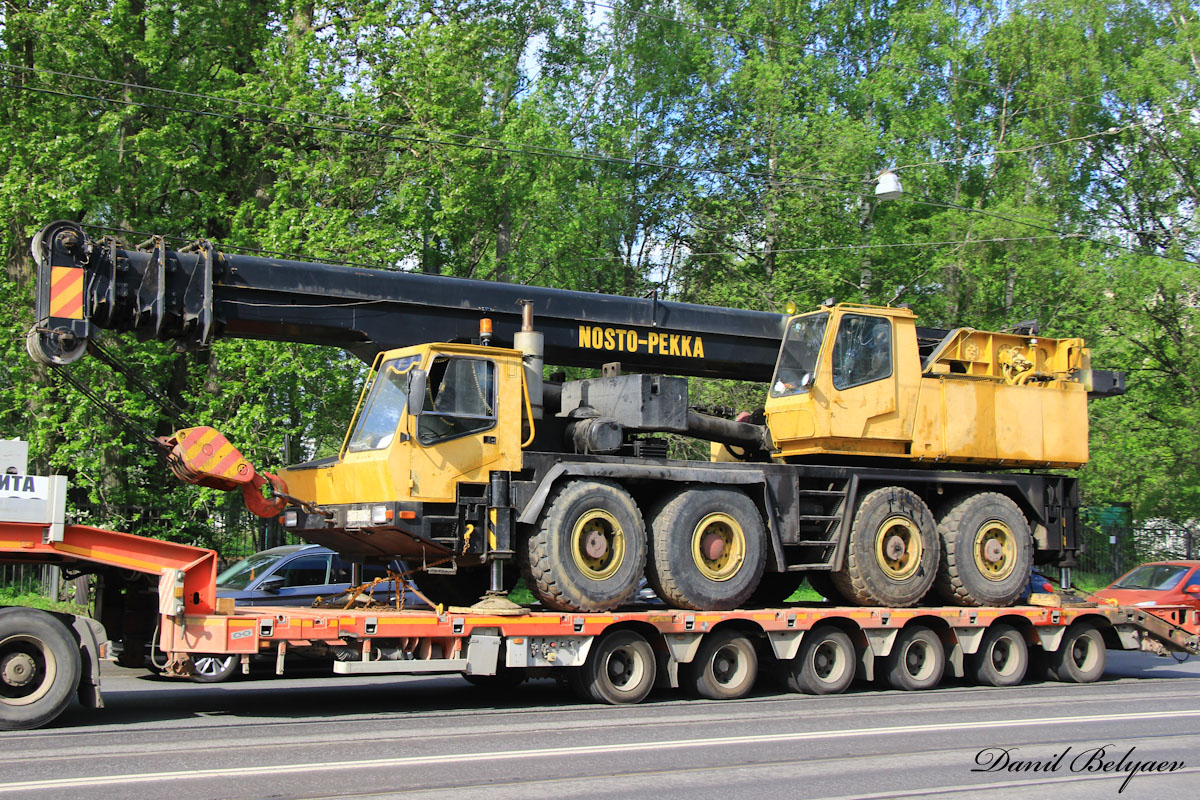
[(717, 151)]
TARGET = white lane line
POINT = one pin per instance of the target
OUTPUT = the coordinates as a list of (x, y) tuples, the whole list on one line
[(557, 752)]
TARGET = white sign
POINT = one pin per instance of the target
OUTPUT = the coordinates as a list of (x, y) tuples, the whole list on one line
[(26, 487)]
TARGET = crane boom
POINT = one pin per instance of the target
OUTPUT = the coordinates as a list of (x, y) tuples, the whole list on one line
[(198, 293)]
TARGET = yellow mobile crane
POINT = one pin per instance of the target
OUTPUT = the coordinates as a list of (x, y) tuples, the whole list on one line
[(890, 459)]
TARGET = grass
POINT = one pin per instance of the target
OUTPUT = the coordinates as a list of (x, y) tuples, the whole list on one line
[(11, 597)]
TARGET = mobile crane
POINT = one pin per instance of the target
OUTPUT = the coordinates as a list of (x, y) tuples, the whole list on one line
[(863, 472)]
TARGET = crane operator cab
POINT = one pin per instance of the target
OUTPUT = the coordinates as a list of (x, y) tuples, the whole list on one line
[(855, 380)]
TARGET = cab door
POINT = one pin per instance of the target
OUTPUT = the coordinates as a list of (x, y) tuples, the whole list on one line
[(863, 397), (456, 435)]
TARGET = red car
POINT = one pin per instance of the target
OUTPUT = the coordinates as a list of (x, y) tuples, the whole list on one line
[(1159, 583)]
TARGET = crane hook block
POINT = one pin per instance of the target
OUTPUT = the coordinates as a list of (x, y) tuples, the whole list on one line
[(203, 456)]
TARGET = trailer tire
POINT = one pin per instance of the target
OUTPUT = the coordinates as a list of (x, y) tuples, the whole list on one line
[(619, 670), (774, 588), (824, 664), (1002, 658), (40, 666), (724, 668), (892, 556), (987, 551), (917, 660), (708, 549), (214, 667), (1081, 656), (589, 550)]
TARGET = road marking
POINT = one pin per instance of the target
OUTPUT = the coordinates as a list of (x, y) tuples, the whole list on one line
[(558, 752)]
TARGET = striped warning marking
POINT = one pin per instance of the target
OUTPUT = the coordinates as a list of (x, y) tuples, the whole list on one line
[(66, 292), (205, 449)]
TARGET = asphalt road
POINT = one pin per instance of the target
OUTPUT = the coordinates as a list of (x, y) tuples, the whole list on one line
[(441, 737)]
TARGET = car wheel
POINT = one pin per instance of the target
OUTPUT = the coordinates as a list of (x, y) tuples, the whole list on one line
[(214, 668)]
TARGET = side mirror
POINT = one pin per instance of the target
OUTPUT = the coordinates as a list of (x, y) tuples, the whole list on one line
[(416, 389), (806, 380), (1193, 589), (272, 584)]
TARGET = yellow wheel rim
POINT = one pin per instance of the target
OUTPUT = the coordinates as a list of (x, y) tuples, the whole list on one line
[(718, 547), (898, 548), (598, 544), (995, 550)]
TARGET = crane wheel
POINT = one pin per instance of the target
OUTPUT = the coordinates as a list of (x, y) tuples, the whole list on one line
[(824, 664), (987, 551), (724, 668), (1081, 656), (1002, 658), (620, 669), (893, 554), (774, 588), (589, 551), (39, 668), (917, 660), (708, 549)]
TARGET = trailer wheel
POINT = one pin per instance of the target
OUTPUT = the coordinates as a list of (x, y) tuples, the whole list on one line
[(724, 668), (214, 668), (708, 549), (917, 660), (987, 551), (589, 552), (1081, 656), (1003, 657), (893, 554), (824, 664), (39, 668), (620, 669), (774, 588)]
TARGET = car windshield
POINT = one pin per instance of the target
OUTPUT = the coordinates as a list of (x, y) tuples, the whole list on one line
[(1160, 577), (798, 356), (243, 572), (385, 403)]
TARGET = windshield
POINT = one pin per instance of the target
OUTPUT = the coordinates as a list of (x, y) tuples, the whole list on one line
[(243, 572), (1153, 576), (385, 403), (798, 357)]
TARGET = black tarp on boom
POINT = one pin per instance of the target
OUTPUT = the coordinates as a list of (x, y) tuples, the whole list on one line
[(199, 293)]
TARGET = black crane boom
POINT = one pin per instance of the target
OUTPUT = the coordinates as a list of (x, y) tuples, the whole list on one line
[(198, 293)]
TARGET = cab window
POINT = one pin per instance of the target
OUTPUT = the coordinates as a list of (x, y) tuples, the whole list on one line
[(862, 351), (460, 399), (798, 356)]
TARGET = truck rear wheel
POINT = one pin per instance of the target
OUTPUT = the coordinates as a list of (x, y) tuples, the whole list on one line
[(893, 554), (917, 660), (824, 664), (708, 549), (724, 668), (1002, 658), (987, 551), (1081, 656), (39, 668), (619, 670), (589, 551)]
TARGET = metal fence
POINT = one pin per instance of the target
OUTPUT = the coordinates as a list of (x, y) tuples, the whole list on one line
[(1110, 551)]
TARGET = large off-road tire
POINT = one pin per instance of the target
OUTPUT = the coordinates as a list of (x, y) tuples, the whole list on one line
[(620, 669), (1002, 658), (893, 553), (917, 660), (588, 552), (725, 667), (39, 668), (987, 551), (774, 588), (824, 664), (708, 547), (1081, 656), (822, 584)]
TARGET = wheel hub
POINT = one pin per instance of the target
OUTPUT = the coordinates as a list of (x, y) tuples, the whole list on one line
[(18, 669), (993, 551), (595, 545), (718, 547), (712, 546), (894, 548)]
